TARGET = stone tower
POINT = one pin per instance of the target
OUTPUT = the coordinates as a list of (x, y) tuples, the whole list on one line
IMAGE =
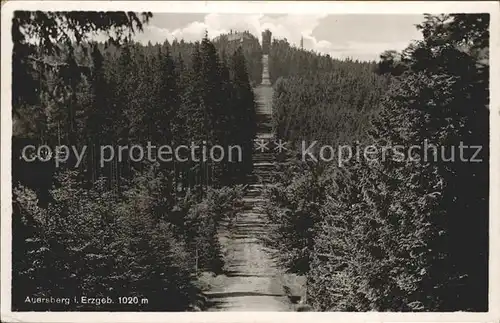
[(266, 41)]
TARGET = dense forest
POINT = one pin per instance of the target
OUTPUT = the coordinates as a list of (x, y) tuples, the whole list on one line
[(379, 234), (320, 98), (143, 228), (387, 234)]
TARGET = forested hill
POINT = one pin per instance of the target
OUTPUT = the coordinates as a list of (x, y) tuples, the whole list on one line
[(228, 43), (403, 230), (286, 60), (317, 97)]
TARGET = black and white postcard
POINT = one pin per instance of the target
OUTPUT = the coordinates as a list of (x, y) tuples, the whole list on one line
[(182, 161)]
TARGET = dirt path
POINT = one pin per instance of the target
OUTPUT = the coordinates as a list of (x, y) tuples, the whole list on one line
[(252, 281)]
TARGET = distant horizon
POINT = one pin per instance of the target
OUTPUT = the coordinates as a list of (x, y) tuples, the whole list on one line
[(368, 34)]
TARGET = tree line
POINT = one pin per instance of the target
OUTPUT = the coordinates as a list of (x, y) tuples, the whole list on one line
[(143, 229), (389, 234), (286, 61), (166, 94)]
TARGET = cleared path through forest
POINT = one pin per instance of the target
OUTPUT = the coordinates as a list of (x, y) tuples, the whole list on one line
[(252, 282)]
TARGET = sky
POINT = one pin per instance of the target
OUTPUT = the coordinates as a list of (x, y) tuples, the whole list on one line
[(359, 36)]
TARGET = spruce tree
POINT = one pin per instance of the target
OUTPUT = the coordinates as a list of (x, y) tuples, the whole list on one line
[(244, 108)]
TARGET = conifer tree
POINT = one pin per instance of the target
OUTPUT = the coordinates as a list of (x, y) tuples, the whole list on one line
[(168, 104), (244, 108), (100, 117)]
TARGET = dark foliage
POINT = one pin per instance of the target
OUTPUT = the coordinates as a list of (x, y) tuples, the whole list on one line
[(144, 229), (396, 234), (286, 61)]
